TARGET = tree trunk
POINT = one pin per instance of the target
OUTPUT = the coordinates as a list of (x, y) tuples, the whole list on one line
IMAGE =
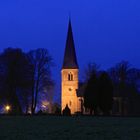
[(36, 94), (32, 105)]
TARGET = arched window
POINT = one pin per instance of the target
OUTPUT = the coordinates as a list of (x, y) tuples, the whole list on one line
[(70, 77)]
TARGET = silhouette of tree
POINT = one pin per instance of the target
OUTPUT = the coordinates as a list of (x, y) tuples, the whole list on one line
[(119, 73), (134, 77), (91, 94), (125, 81), (40, 73), (105, 91), (56, 109), (92, 68), (12, 62)]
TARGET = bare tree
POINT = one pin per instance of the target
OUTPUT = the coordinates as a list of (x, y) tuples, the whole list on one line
[(122, 70), (120, 75), (91, 68), (40, 73)]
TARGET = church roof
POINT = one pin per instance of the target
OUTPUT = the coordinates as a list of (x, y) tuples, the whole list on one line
[(70, 60)]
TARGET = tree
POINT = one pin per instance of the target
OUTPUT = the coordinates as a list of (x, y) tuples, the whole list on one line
[(40, 73), (119, 73), (91, 94), (105, 91), (92, 68), (125, 81), (56, 109), (89, 87), (12, 62), (134, 77)]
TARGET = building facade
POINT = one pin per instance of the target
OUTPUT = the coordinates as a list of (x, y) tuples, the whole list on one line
[(69, 76)]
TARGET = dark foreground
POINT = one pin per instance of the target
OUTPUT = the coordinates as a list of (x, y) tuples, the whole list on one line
[(69, 128)]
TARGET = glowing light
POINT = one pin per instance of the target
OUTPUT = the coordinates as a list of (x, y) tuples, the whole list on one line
[(44, 104), (7, 108)]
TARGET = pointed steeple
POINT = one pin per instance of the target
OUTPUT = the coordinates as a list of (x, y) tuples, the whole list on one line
[(70, 60)]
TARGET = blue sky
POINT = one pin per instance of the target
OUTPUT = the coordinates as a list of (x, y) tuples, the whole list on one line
[(105, 31)]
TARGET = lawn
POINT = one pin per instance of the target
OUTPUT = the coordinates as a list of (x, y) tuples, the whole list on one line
[(69, 128)]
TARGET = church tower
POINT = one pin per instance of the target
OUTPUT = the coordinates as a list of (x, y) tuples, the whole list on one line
[(69, 75)]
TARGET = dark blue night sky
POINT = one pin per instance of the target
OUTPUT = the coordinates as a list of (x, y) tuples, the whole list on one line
[(105, 31)]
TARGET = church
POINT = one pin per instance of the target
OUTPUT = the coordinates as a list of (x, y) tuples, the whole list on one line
[(72, 90), (69, 76)]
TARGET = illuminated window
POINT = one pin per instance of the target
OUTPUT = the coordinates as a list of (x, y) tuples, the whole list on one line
[(70, 76)]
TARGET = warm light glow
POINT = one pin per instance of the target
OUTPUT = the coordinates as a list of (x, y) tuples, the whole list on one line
[(7, 108), (45, 103)]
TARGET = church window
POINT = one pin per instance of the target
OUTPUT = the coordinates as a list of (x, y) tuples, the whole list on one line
[(70, 76)]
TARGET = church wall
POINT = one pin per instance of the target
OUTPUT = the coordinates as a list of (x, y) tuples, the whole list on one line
[(68, 89)]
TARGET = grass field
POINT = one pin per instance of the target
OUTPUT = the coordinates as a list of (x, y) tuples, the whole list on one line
[(69, 128)]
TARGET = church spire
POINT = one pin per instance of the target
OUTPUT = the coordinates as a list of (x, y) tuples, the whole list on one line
[(70, 60)]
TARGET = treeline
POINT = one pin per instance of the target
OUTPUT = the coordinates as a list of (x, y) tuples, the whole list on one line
[(24, 78), (118, 87)]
